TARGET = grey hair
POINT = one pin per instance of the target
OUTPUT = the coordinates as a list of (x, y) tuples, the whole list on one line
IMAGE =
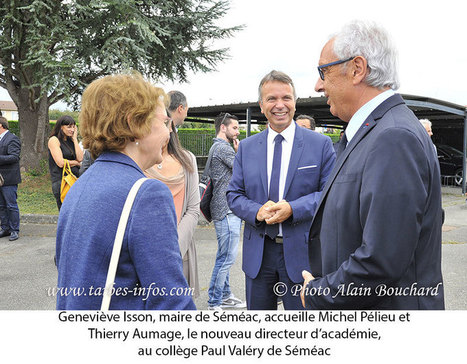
[(426, 122), (276, 76), (367, 39), (176, 99)]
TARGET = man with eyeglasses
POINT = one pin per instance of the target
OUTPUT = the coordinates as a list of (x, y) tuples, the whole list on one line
[(227, 225), (375, 241), (277, 178)]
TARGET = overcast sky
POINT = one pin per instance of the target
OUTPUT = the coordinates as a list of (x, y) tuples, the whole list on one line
[(288, 35)]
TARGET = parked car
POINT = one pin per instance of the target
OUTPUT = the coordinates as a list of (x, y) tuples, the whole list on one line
[(450, 162)]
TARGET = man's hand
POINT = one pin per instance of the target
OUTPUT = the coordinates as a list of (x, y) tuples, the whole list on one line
[(235, 143), (307, 276), (263, 213), (280, 212)]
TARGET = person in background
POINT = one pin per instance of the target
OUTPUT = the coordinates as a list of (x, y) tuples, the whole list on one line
[(63, 144), (427, 125), (10, 150), (227, 224), (179, 171), (306, 121), (86, 162), (124, 125), (178, 107)]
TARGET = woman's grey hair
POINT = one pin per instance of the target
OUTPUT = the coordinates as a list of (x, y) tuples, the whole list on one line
[(367, 39), (276, 76)]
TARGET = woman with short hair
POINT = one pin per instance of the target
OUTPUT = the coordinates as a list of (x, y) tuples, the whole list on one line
[(123, 123)]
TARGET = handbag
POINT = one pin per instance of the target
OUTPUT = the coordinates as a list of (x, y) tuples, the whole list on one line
[(109, 283), (2, 181), (206, 189), (68, 179)]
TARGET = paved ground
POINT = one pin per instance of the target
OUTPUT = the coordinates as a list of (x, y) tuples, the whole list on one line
[(27, 270)]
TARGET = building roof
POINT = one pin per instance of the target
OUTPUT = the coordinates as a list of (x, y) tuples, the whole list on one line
[(440, 113), (8, 106)]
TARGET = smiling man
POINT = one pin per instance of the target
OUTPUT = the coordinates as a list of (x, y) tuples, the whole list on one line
[(277, 178), (378, 224)]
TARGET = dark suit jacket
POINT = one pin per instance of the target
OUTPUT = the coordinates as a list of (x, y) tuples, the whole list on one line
[(310, 164), (375, 240), (10, 150)]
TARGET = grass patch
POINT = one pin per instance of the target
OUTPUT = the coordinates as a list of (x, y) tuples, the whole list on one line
[(35, 195)]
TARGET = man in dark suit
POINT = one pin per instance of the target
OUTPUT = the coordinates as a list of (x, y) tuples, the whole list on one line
[(375, 240), (277, 178), (10, 149)]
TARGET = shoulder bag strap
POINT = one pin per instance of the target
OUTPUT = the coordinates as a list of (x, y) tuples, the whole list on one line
[(118, 244)]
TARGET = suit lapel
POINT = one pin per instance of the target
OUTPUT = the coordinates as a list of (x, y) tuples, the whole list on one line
[(297, 150), (4, 139), (263, 156), (366, 127)]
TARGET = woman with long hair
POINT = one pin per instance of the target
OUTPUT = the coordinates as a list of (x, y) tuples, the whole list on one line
[(179, 171), (63, 144)]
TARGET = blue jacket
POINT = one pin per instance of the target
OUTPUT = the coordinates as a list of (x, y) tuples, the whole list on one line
[(150, 265), (310, 164)]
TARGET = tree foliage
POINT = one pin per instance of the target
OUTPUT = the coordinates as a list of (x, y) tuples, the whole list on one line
[(51, 50), (55, 114), (58, 47)]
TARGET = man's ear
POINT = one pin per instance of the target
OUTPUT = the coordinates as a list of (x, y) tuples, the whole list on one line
[(180, 108), (261, 106), (359, 69)]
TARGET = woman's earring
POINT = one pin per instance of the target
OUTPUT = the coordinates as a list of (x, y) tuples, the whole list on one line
[(137, 143)]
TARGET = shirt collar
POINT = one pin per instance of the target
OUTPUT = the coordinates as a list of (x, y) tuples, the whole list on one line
[(3, 134), (288, 133), (362, 114)]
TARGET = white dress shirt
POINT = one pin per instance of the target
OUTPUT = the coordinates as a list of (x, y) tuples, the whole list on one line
[(3, 134), (287, 144), (361, 115)]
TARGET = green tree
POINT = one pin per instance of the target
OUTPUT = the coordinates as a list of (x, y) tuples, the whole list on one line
[(55, 114), (51, 50)]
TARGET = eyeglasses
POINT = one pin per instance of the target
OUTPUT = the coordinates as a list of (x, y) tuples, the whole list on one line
[(320, 68)]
